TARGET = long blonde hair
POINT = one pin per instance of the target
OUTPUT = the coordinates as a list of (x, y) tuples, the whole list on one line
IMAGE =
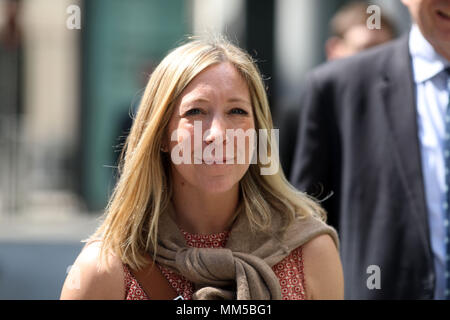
[(143, 191)]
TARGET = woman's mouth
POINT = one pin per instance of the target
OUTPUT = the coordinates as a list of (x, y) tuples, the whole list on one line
[(215, 161)]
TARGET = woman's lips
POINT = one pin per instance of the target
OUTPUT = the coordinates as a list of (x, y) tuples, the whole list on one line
[(215, 161)]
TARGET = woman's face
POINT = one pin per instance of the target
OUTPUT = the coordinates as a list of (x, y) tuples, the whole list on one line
[(202, 139)]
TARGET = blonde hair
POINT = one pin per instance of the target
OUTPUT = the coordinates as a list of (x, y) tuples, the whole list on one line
[(143, 191)]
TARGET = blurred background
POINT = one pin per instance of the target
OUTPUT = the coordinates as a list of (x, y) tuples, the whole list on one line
[(72, 72)]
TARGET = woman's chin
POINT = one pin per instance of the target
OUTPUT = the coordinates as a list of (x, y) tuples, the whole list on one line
[(211, 179), (217, 184)]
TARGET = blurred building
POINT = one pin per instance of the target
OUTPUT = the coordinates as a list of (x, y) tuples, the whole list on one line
[(66, 96)]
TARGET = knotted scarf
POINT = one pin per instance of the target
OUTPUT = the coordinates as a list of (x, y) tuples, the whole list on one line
[(243, 269)]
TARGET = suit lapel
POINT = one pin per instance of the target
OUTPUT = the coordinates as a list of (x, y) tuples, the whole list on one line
[(398, 91)]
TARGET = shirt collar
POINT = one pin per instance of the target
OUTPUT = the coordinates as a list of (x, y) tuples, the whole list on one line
[(427, 63)]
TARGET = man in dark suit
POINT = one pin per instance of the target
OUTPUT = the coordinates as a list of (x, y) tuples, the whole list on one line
[(348, 35), (370, 142)]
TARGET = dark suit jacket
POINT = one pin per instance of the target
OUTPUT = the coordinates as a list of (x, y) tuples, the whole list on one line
[(358, 138)]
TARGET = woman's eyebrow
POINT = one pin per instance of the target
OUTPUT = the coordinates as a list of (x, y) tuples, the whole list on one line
[(206, 100), (196, 100), (237, 99)]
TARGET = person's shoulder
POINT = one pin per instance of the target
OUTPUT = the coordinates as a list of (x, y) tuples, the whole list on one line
[(322, 269), (362, 66), (320, 245), (92, 278)]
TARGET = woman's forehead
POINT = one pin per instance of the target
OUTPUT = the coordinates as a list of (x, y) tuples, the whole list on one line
[(219, 79)]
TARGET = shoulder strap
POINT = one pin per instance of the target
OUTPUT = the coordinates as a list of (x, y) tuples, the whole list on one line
[(154, 283)]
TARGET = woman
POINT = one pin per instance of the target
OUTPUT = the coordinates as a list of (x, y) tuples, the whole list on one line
[(216, 227)]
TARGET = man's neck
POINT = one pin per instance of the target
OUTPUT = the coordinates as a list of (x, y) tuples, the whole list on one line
[(444, 51)]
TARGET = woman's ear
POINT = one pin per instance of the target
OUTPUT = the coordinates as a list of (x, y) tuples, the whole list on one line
[(165, 142), (164, 148)]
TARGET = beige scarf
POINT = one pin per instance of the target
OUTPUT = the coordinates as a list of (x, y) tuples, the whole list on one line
[(243, 269)]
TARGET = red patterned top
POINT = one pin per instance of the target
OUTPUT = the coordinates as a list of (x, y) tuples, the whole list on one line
[(289, 271)]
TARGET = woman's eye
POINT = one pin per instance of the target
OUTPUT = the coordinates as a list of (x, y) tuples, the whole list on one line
[(238, 111), (193, 112)]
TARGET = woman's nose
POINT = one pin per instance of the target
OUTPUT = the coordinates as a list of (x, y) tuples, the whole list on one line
[(216, 131)]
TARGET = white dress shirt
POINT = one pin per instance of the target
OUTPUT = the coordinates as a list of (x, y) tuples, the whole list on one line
[(432, 95)]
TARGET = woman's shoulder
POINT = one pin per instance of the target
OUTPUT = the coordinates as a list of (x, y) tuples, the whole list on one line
[(320, 245), (322, 269), (90, 277)]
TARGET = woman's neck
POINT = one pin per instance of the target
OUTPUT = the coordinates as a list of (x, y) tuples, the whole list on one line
[(201, 213)]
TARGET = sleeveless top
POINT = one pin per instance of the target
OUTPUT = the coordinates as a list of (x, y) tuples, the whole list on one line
[(289, 271)]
